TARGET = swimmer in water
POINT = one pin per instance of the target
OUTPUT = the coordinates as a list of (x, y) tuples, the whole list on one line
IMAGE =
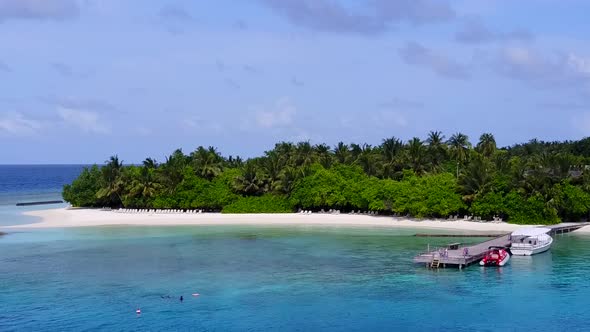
[(181, 298)]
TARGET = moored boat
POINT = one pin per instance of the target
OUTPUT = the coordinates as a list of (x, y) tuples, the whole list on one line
[(496, 256), (530, 241)]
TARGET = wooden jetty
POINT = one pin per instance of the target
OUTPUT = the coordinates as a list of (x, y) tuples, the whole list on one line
[(458, 235), (462, 256), (566, 227), (38, 203)]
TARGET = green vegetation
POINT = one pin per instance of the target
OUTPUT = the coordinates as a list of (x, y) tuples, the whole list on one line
[(259, 204), (533, 183)]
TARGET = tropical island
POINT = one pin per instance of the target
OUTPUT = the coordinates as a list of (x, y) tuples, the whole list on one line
[(532, 183)]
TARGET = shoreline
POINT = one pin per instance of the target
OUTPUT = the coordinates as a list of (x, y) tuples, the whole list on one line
[(68, 218)]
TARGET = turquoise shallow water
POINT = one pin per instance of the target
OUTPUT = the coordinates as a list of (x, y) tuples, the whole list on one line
[(260, 279), (289, 279)]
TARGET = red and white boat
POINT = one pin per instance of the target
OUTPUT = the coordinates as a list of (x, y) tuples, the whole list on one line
[(496, 256)]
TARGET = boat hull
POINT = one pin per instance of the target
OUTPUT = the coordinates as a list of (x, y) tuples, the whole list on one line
[(530, 250)]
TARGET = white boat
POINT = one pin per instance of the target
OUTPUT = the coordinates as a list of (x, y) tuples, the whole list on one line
[(530, 241)]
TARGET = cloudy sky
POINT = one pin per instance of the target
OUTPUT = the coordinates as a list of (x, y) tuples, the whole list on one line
[(81, 80)]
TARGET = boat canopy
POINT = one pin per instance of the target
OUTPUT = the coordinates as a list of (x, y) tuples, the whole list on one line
[(531, 231)]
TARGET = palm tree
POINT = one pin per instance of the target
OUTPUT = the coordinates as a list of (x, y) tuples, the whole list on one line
[(271, 166), (112, 185), (287, 179), (501, 160), (391, 150), (304, 154), (150, 163), (145, 185), (322, 152), (435, 138), (477, 177), (285, 151), (234, 162), (486, 145), (355, 152), (367, 160), (249, 183), (207, 163), (416, 154), (341, 153), (560, 165), (172, 170), (534, 146), (437, 150), (459, 144)]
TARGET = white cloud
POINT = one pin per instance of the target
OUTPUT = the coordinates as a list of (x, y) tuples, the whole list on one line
[(418, 55), (80, 103), (38, 9), (18, 124), (474, 31), (579, 64), (377, 16), (200, 125), (86, 121), (280, 115), (389, 118), (542, 68)]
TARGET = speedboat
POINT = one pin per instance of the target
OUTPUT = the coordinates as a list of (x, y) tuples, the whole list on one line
[(530, 241), (496, 256)]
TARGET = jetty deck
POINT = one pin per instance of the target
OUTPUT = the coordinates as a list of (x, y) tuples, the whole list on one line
[(39, 203), (566, 227), (466, 255)]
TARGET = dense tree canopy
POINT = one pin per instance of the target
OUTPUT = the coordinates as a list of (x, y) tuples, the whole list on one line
[(532, 183)]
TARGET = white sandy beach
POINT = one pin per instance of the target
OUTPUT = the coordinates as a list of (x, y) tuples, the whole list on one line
[(64, 217)]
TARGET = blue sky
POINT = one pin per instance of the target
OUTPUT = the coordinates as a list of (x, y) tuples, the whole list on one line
[(81, 80)]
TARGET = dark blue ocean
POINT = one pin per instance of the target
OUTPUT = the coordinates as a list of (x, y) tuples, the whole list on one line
[(30, 183), (273, 279)]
